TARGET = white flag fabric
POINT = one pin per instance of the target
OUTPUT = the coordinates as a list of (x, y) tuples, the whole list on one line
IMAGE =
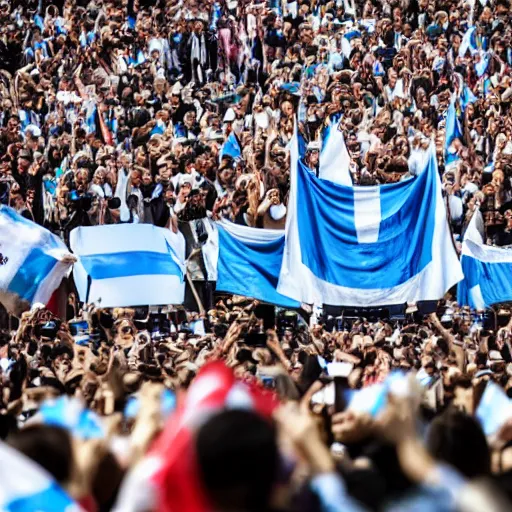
[(487, 270), (129, 265), (27, 487), (33, 262), (366, 246), (334, 158)]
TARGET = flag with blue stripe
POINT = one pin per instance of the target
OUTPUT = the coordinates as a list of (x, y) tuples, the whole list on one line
[(247, 261), (367, 246), (72, 415), (33, 261), (467, 97), (469, 42), (129, 265), (26, 487), (487, 270), (231, 147), (453, 131)]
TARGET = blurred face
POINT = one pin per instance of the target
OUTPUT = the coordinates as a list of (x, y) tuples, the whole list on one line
[(184, 192), (498, 177), (23, 165), (287, 108), (169, 196), (99, 177), (13, 124), (136, 179), (165, 174), (226, 176), (147, 179), (81, 179), (140, 158), (190, 119), (314, 157)]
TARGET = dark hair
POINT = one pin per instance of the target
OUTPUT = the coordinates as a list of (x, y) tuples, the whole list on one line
[(47, 445), (456, 438), (238, 460)]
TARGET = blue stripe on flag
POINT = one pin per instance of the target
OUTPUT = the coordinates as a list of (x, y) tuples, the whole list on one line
[(127, 264), (231, 147), (52, 499), (251, 269), (328, 234), (494, 280), (36, 267)]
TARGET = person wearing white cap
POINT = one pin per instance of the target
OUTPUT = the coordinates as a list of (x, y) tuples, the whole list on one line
[(312, 157)]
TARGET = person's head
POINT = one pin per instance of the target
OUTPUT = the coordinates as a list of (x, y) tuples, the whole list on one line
[(287, 108), (48, 446), (24, 161), (238, 461), (147, 179), (190, 119), (13, 124), (184, 191), (99, 176), (169, 195), (457, 439), (136, 178), (226, 176)]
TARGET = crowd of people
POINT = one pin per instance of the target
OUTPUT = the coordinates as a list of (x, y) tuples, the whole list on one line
[(171, 112)]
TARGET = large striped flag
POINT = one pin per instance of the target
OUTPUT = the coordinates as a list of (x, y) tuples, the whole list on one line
[(129, 265), (33, 262), (367, 246)]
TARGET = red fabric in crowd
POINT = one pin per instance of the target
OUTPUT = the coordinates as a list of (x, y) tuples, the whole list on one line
[(214, 388)]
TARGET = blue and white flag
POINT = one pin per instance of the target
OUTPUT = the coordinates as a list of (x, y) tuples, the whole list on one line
[(231, 147), (494, 409), (247, 261), (482, 65), (487, 270), (167, 404), (467, 97), (129, 265), (453, 131), (33, 261), (367, 246), (469, 42), (72, 415), (25, 486), (334, 158)]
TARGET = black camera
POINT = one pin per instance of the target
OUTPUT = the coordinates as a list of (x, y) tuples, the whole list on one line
[(80, 201), (48, 330)]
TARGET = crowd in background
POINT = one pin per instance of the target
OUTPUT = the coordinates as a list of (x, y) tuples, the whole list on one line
[(170, 112)]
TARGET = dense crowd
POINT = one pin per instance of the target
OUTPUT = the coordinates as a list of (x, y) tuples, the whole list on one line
[(174, 112)]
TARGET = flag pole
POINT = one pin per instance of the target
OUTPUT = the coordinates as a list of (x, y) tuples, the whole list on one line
[(196, 295)]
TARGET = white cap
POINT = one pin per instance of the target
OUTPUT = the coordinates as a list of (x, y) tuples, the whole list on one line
[(229, 116), (176, 89), (314, 146), (34, 130)]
